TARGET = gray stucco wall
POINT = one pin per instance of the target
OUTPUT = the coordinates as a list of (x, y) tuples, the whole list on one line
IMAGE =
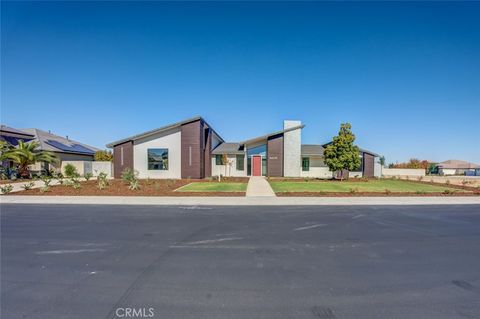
[(292, 144)]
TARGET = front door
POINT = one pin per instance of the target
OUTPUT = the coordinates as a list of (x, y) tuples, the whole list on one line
[(256, 165)]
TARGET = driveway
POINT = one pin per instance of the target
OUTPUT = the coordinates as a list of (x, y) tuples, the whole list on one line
[(81, 261)]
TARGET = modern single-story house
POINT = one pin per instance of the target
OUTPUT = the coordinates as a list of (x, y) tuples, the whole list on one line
[(193, 149), (457, 167), (64, 148)]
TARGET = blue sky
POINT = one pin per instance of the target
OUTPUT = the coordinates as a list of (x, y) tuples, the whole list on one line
[(406, 75)]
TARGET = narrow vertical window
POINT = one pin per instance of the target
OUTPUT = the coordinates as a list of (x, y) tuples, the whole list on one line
[(305, 164), (190, 155), (121, 155)]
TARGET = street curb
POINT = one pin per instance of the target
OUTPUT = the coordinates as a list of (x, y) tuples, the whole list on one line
[(237, 201)]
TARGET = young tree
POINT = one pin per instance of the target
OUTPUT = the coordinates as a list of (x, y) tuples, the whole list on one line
[(342, 154), (381, 161), (27, 154)]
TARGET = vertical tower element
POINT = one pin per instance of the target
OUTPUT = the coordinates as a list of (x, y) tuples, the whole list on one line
[(292, 144)]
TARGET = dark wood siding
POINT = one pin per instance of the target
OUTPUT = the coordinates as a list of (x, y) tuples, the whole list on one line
[(192, 150), (368, 165), (275, 156), (127, 158), (208, 153)]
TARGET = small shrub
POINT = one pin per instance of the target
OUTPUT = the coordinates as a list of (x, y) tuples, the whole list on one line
[(45, 189), (102, 181), (6, 189), (447, 192), (129, 175), (46, 180), (447, 182), (28, 186), (419, 192), (387, 191), (60, 181), (87, 176), (354, 190), (465, 182), (70, 171), (74, 182), (134, 185)]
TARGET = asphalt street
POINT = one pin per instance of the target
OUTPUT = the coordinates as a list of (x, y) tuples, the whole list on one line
[(101, 261)]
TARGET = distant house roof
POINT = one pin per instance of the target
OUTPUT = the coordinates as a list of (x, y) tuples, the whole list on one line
[(159, 130), (12, 135), (312, 149), (457, 164), (8, 129), (263, 137), (228, 148), (60, 144)]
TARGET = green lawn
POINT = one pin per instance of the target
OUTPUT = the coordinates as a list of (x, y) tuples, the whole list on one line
[(213, 187), (359, 186)]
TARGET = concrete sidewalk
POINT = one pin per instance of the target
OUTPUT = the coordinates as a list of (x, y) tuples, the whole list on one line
[(238, 201), (258, 186)]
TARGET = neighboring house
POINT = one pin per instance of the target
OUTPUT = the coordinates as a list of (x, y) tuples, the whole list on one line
[(193, 149), (12, 136), (63, 147), (457, 167)]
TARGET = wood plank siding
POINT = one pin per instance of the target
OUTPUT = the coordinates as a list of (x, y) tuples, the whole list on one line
[(122, 158), (275, 156), (368, 165)]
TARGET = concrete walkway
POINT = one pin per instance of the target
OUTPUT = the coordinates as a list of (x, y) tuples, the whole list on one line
[(188, 202), (258, 186)]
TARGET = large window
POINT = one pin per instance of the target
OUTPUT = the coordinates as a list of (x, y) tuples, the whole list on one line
[(158, 159), (218, 160), (240, 162), (305, 164)]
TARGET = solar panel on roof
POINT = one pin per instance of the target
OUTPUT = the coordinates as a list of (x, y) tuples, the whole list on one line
[(69, 148), (14, 140)]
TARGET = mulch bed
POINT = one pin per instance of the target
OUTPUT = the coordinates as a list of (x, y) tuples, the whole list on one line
[(119, 188)]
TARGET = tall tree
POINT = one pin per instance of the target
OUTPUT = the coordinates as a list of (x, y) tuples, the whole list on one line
[(342, 154), (27, 154)]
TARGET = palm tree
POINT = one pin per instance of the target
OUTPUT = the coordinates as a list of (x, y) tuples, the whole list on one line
[(27, 154)]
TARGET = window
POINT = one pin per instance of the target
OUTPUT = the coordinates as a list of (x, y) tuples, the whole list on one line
[(158, 159), (218, 160), (305, 164), (240, 162)]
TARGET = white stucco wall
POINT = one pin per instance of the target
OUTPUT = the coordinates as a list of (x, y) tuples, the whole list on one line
[(171, 140), (317, 168), (215, 141), (447, 171), (292, 141), (218, 170), (377, 168), (95, 168), (389, 172)]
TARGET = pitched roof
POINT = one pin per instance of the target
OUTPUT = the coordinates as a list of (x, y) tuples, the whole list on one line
[(263, 137), (361, 149), (228, 148), (60, 144), (457, 164), (8, 129), (161, 129), (312, 149)]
